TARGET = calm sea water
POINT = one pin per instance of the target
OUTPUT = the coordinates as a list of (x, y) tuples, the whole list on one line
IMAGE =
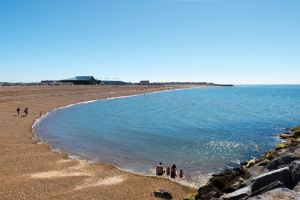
[(200, 130)]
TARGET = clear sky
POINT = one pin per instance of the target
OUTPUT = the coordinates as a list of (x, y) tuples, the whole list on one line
[(222, 41)]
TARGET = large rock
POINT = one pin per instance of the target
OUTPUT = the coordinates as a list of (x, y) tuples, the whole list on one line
[(295, 171), (238, 194), (208, 192), (282, 161), (283, 175), (278, 194), (226, 178), (271, 186)]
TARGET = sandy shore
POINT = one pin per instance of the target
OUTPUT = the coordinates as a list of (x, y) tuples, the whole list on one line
[(29, 170)]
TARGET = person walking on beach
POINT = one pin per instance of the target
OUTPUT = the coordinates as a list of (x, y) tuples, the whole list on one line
[(173, 171), (26, 111), (160, 169), (18, 110)]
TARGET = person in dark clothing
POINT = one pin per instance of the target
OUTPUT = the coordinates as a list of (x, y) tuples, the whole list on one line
[(26, 111), (18, 110), (173, 171), (168, 171), (160, 169), (181, 173)]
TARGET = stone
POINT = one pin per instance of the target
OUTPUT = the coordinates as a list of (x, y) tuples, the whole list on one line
[(282, 160), (295, 171), (284, 136), (271, 186), (283, 175), (238, 194), (226, 178), (280, 146), (278, 194), (208, 192), (250, 163), (264, 162), (235, 186)]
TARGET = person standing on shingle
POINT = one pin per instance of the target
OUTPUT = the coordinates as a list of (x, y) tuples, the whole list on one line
[(26, 111), (18, 110)]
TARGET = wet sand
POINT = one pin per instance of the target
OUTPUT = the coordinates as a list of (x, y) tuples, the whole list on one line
[(30, 170)]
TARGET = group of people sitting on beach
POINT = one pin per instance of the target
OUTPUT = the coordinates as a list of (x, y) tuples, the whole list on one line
[(169, 172), (25, 111)]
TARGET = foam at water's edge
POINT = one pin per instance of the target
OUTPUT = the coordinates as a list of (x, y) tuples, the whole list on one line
[(77, 157)]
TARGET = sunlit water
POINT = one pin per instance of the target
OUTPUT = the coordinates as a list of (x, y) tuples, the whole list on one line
[(200, 130)]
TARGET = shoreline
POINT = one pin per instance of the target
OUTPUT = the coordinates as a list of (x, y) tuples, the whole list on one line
[(31, 170), (80, 158)]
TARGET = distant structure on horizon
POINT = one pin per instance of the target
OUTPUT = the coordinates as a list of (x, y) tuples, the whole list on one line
[(81, 80), (90, 80), (144, 82)]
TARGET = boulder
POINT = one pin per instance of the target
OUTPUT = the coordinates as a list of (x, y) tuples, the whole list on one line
[(263, 162), (228, 177), (250, 163), (208, 192), (283, 175), (282, 160), (295, 171), (280, 146), (271, 186), (238, 194), (285, 136), (278, 194)]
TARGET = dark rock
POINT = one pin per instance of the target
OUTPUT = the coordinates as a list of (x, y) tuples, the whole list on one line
[(295, 171), (263, 162), (284, 136), (208, 192), (239, 183), (283, 175), (227, 178), (244, 163), (238, 194), (163, 195), (282, 160), (278, 194), (271, 186)]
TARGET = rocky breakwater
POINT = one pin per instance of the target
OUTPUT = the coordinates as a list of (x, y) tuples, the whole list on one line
[(276, 175)]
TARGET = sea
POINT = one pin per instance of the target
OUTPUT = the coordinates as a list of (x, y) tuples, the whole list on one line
[(200, 130)]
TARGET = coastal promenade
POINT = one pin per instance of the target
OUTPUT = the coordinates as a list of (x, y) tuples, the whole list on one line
[(30, 170)]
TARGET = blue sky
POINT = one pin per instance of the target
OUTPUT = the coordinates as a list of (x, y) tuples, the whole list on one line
[(222, 41)]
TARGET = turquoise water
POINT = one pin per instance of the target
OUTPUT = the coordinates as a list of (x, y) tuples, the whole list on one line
[(200, 130)]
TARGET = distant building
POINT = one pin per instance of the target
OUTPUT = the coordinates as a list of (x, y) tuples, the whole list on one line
[(81, 80), (109, 82), (144, 82)]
